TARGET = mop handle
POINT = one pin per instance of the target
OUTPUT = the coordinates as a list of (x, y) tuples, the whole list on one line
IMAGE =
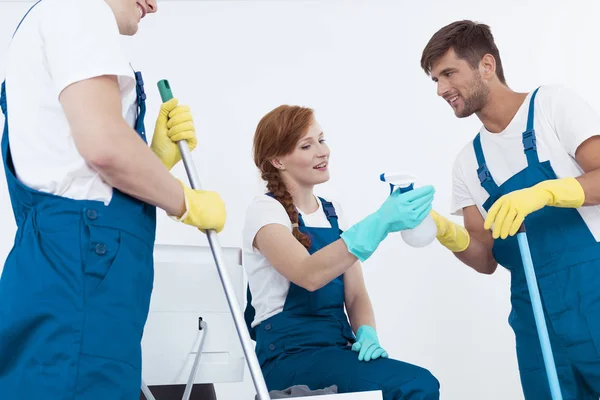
[(538, 314), (240, 325)]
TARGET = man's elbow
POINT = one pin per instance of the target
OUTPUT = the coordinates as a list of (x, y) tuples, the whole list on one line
[(99, 159), (98, 149), (488, 268)]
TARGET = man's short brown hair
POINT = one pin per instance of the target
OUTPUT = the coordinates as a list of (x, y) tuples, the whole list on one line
[(469, 40)]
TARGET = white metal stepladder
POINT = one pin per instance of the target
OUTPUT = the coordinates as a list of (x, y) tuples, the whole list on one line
[(238, 319)]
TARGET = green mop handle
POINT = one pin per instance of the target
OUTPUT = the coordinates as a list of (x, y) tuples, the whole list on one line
[(165, 90), (261, 387), (186, 155)]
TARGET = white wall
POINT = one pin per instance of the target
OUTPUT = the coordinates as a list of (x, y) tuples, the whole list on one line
[(357, 64)]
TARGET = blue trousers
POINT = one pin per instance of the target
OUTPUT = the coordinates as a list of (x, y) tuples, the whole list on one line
[(571, 299), (323, 367), (73, 303)]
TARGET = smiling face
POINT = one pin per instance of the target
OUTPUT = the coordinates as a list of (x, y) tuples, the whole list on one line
[(129, 13), (459, 84), (307, 164)]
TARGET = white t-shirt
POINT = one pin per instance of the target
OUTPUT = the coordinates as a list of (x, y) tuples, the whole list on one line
[(59, 43), (268, 287), (562, 121)]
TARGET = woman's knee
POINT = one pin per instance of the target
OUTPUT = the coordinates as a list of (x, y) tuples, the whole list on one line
[(430, 385), (424, 386)]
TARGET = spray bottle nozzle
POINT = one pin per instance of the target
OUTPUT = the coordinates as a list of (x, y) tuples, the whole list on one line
[(382, 178), (404, 181)]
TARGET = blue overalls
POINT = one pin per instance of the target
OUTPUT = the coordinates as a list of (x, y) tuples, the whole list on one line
[(566, 259), (309, 342), (75, 290)]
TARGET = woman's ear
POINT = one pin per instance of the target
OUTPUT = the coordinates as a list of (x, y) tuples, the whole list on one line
[(276, 162)]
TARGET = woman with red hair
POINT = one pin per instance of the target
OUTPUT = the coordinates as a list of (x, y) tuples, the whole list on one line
[(304, 269)]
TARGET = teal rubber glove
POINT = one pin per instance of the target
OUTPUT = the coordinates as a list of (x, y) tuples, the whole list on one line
[(399, 211), (367, 344)]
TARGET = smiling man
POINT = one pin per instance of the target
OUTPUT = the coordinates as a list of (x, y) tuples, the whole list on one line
[(536, 160), (84, 187)]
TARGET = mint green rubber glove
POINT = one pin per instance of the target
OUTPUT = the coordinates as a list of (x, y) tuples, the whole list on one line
[(399, 211), (367, 344)]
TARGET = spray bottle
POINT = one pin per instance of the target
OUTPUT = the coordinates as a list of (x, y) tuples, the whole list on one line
[(422, 234)]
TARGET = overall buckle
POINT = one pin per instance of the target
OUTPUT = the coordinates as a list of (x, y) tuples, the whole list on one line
[(529, 140), (3, 98), (483, 173), (329, 210), (139, 82)]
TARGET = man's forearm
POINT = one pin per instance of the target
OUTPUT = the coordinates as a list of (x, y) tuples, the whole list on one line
[(590, 182), (133, 168), (478, 256), (470, 244)]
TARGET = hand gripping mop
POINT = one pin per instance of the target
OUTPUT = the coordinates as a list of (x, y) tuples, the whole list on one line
[(240, 325), (538, 313)]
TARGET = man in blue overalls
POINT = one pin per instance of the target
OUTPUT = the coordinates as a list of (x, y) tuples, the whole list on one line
[(84, 187), (535, 161)]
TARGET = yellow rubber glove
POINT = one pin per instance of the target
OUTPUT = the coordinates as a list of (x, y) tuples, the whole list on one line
[(203, 209), (174, 123), (452, 236), (509, 211)]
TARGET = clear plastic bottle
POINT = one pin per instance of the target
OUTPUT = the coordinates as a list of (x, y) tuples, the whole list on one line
[(422, 234)]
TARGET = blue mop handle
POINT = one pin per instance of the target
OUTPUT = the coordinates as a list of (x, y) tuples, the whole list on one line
[(538, 313)]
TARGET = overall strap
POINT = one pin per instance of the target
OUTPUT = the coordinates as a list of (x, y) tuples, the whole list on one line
[(249, 314), (3, 101), (300, 220), (7, 159), (26, 14), (483, 173), (529, 141), (141, 103), (330, 213)]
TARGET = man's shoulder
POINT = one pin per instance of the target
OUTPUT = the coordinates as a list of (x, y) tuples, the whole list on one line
[(555, 101), (466, 153), (74, 6), (553, 93), (65, 9), (553, 89), (73, 17)]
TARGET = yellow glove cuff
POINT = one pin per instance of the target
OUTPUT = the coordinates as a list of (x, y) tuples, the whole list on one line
[(452, 236), (183, 217), (564, 193), (203, 209)]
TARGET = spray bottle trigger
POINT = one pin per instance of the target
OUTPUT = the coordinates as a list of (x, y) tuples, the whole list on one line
[(407, 188), (403, 181)]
